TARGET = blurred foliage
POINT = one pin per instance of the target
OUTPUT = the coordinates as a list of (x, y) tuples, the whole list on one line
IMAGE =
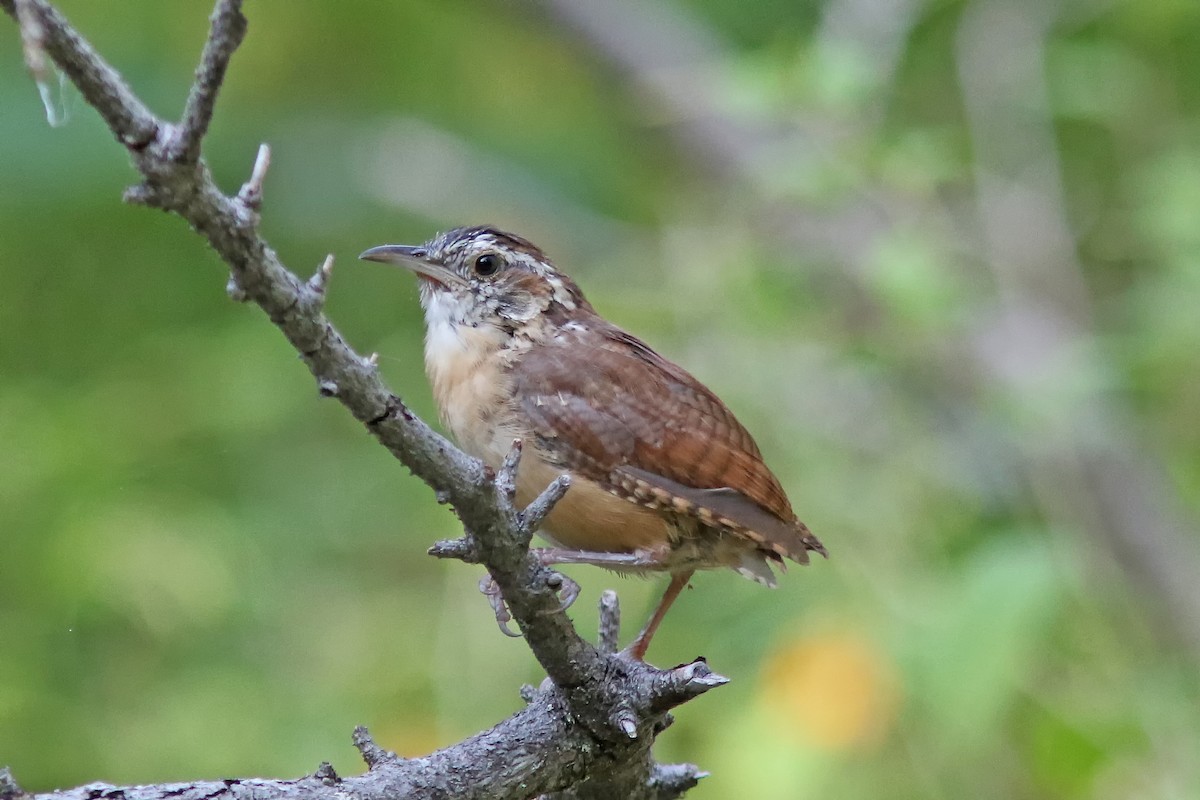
[(206, 570)]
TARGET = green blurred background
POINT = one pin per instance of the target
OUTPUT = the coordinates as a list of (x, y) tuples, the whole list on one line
[(942, 257)]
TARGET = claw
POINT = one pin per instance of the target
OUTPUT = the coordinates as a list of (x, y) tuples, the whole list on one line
[(490, 589), (568, 590)]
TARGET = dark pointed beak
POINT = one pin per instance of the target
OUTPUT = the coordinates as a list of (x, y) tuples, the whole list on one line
[(415, 259)]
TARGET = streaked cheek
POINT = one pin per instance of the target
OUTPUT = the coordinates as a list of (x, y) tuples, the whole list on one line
[(517, 306)]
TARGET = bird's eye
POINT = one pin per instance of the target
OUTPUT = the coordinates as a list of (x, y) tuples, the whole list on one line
[(487, 264)]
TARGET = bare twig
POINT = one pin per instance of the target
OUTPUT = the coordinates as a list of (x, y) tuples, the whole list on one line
[(535, 513), (250, 194), (610, 622), (320, 279), (463, 549), (371, 753), (506, 476), (674, 780), (228, 29), (688, 680), (326, 774)]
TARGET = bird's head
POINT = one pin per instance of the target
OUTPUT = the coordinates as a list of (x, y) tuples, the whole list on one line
[(483, 276)]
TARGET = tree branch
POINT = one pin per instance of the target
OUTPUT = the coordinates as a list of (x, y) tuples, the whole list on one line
[(591, 729), (228, 29)]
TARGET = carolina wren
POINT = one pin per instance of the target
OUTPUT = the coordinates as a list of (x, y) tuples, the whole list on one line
[(663, 477)]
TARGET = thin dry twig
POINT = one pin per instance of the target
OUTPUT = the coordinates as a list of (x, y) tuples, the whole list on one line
[(250, 194), (610, 622), (536, 512), (320, 279), (226, 34)]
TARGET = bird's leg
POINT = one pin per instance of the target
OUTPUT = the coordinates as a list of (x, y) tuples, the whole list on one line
[(637, 560), (567, 590), (491, 590), (637, 650)]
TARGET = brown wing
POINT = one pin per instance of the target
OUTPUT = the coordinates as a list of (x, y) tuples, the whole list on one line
[(607, 406)]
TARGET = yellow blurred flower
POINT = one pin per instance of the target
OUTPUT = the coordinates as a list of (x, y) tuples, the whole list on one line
[(833, 690)]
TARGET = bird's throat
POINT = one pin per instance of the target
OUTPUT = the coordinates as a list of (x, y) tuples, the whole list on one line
[(469, 376)]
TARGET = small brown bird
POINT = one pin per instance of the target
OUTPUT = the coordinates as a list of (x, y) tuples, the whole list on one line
[(663, 477)]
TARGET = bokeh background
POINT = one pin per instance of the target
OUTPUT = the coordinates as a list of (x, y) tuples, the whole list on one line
[(942, 257)]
